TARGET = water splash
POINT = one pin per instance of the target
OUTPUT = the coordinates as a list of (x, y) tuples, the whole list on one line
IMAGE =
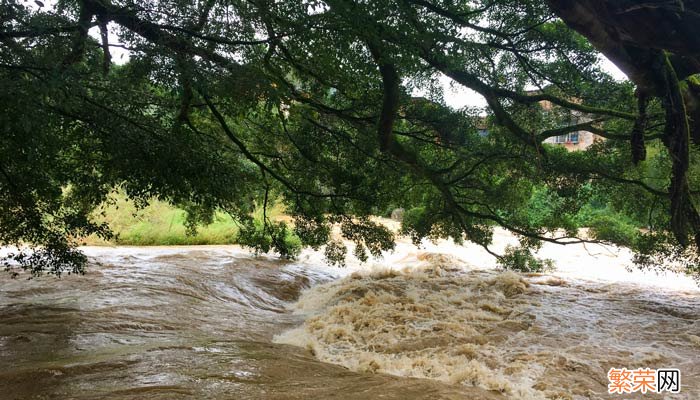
[(542, 337)]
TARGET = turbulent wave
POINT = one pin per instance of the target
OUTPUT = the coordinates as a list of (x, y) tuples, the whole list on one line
[(442, 320)]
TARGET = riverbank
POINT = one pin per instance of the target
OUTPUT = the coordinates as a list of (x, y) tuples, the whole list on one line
[(162, 224)]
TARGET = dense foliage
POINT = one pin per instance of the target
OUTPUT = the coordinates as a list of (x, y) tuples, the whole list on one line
[(226, 104)]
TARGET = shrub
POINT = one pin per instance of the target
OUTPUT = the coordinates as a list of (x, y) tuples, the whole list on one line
[(521, 259), (614, 228)]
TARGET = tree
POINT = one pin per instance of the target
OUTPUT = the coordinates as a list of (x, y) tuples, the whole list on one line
[(656, 44), (223, 103)]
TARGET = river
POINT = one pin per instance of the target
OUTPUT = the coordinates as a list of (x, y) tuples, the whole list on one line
[(214, 322)]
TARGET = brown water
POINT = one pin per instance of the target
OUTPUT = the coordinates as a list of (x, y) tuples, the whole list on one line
[(215, 323)]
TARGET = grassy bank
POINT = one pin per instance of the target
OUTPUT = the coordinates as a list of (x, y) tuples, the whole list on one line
[(159, 224)]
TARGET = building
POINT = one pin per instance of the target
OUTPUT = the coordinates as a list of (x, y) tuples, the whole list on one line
[(573, 141)]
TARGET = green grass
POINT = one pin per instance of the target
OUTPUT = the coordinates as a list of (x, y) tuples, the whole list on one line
[(159, 224)]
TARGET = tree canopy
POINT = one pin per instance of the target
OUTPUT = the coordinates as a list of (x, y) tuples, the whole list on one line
[(335, 107)]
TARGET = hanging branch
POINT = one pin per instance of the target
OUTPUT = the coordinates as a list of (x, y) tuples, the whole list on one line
[(104, 35), (684, 215), (639, 150), (84, 24), (390, 103)]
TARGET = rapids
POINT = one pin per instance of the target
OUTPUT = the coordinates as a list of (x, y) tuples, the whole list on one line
[(214, 322)]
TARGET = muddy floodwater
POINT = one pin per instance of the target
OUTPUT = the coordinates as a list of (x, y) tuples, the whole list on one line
[(217, 323)]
